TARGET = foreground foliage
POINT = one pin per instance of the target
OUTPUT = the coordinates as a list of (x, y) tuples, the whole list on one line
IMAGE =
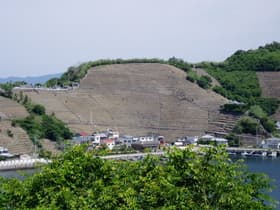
[(184, 180)]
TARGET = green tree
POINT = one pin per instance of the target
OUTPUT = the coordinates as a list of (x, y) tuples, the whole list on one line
[(39, 109), (184, 180)]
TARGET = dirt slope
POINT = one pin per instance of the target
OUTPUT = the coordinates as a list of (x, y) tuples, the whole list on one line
[(270, 84), (18, 142), (136, 99), (10, 109)]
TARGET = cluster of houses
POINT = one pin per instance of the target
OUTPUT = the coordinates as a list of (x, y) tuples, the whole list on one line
[(111, 138), (205, 139), (74, 85)]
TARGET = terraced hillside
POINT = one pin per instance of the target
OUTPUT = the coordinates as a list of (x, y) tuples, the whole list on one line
[(9, 109), (270, 84), (18, 142), (136, 99)]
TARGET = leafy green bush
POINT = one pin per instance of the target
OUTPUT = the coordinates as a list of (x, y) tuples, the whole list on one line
[(38, 109), (45, 126), (10, 133), (233, 140), (234, 108), (269, 105), (247, 125), (257, 112), (33, 126), (13, 123), (204, 82), (236, 85), (190, 78), (184, 180), (55, 129), (268, 124)]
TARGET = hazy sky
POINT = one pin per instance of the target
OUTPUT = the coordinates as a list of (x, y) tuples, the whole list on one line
[(40, 37)]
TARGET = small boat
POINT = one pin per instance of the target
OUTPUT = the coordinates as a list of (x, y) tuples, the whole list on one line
[(245, 153)]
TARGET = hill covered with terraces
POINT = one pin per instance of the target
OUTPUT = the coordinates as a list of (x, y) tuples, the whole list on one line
[(136, 99)]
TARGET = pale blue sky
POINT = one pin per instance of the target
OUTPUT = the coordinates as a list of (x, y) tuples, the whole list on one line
[(40, 37)]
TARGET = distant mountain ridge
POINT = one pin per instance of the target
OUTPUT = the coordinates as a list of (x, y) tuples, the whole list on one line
[(33, 80)]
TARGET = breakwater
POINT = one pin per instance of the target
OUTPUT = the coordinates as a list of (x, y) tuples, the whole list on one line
[(21, 163)]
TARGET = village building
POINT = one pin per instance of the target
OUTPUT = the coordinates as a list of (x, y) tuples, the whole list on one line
[(127, 140), (110, 143), (97, 137), (146, 142), (208, 139), (82, 137), (271, 143)]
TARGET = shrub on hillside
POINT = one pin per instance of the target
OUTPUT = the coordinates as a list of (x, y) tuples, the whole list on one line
[(190, 78), (257, 112), (45, 126), (268, 124), (204, 82), (233, 140), (247, 125), (38, 109), (234, 108)]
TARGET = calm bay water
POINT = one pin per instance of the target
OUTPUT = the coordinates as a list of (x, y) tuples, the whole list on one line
[(270, 166)]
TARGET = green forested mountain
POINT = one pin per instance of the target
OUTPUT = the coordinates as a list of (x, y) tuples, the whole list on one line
[(265, 58), (238, 79)]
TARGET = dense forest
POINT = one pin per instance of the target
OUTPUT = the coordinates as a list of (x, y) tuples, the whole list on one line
[(182, 180), (266, 58), (239, 82)]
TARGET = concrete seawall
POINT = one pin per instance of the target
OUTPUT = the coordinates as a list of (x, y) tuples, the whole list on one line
[(21, 163)]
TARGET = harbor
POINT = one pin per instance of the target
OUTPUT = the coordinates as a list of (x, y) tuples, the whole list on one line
[(246, 151), (29, 163)]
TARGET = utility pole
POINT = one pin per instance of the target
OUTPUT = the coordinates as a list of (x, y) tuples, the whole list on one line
[(257, 137)]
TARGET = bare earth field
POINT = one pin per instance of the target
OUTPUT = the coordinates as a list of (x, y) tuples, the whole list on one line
[(135, 99), (270, 84)]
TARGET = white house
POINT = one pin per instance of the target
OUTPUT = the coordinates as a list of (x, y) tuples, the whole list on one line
[(110, 143), (97, 137), (209, 138)]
